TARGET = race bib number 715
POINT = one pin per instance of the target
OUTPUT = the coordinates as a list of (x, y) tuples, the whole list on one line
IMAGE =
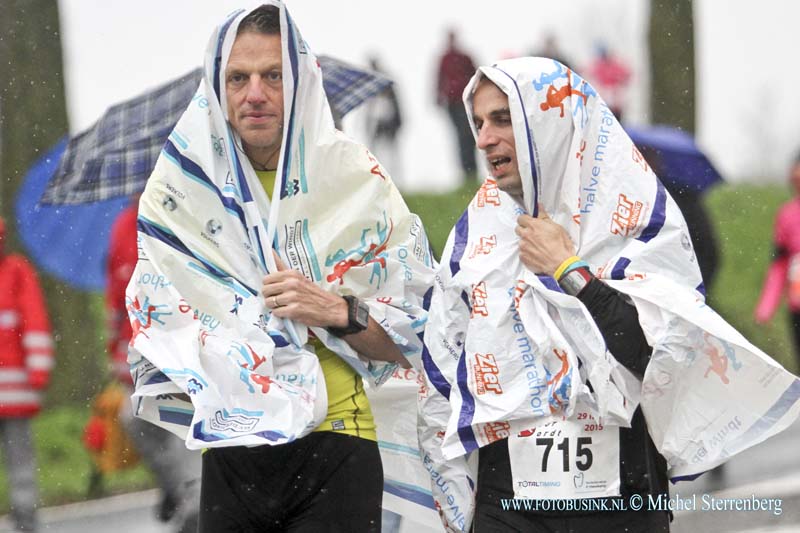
[(566, 459)]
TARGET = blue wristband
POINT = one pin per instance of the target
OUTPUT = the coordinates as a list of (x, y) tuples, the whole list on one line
[(573, 266)]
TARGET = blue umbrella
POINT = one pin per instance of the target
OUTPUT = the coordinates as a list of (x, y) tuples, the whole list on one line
[(68, 242), (675, 157)]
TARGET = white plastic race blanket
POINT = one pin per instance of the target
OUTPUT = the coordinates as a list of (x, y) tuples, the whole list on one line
[(506, 351), (406, 487), (206, 235)]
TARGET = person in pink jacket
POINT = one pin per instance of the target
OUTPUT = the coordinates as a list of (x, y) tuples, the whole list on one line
[(784, 272)]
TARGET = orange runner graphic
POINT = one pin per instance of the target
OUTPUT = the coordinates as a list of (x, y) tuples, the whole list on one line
[(555, 97)]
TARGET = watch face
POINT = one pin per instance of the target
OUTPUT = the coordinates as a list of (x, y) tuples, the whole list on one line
[(362, 314)]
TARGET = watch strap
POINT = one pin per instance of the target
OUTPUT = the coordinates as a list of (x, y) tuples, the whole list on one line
[(574, 281), (354, 325)]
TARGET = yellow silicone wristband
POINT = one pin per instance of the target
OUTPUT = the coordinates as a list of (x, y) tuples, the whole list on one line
[(565, 265)]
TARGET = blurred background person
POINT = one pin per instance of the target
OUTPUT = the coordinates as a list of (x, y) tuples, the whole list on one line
[(26, 358), (783, 275), (610, 75), (701, 231), (551, 49), (455, 70), (383, 122), (690, 199), (176, 469)]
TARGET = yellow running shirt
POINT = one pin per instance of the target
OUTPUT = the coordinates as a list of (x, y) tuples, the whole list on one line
[(348, 407)]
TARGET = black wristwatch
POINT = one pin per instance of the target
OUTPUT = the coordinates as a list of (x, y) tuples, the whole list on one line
[(357, 317)]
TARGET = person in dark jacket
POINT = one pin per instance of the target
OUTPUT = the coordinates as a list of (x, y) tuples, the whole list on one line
[(692, 206), (455, 70), (383, 122)]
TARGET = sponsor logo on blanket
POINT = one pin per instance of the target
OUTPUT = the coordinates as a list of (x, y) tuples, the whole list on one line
[(639, 159), (488, 194), (169, 203), (519, 290), (224, 421), (174, 190), (579, 153), (626, 217), (298, 250), (478, 300), (495, 431), (213, 227), (420, 247), (487, 374), (484, 246), (451, 349)]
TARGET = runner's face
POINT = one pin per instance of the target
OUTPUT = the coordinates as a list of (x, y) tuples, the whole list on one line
[(254, 89), (496, 136)]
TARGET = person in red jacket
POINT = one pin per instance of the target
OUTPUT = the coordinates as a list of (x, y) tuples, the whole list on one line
[(122, 256), (177, 469), (26, 358)]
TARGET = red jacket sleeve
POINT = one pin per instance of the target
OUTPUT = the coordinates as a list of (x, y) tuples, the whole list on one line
[(37, 341)]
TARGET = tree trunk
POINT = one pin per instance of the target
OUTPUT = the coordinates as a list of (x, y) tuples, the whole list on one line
[(672, 63), (32, 119)]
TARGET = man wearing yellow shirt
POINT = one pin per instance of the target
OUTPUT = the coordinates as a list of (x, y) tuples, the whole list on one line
[(331, 479)]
